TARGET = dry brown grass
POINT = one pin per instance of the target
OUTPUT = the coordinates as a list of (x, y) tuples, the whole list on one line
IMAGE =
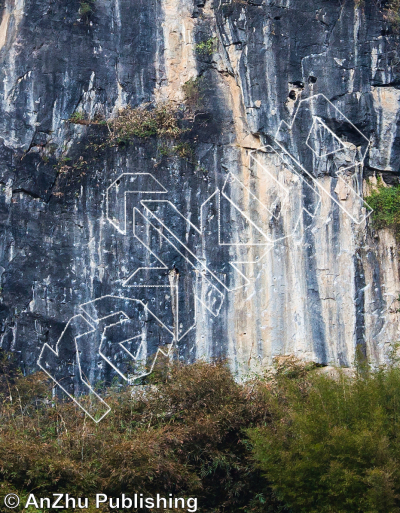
[(181, 435), (143, 122)]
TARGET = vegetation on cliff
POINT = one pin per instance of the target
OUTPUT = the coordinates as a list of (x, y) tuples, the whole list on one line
[(207, 46), (86, 9), (385, 201), (167, 121), (161, 121), (293, 440)]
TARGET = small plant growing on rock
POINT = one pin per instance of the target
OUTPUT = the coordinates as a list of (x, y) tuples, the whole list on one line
[(77, 117), (182, 149), (207, 47), (86, 8)]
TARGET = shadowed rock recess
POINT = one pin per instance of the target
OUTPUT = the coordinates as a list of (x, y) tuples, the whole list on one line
[(244, 238)]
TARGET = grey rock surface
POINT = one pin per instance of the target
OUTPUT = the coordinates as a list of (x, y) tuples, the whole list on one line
[(256, 246)]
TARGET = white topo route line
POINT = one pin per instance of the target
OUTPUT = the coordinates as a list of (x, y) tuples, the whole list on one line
[(117, 314)]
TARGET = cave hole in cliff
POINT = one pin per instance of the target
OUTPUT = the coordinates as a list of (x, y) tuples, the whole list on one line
[(297, 83)]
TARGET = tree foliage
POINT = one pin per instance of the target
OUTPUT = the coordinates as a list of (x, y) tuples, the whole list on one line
[(292, 440), (181, 434), (333, 444), (385, 201)]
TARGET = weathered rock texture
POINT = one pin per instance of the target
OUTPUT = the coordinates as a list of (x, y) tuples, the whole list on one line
[(317, 286)]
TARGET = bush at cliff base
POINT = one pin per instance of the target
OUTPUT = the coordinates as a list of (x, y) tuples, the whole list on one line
[(292, 440), (332, 444), (181, 433)]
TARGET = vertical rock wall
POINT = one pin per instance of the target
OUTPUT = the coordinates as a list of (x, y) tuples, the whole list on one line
[(258, 245)]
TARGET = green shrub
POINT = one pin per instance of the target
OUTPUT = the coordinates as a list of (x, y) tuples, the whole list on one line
[(385, 201), (86, 8), (77, 117), (333, 445), (207, 47)]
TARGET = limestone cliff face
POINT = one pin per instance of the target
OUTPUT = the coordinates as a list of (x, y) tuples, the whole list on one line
[(257, 245)]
